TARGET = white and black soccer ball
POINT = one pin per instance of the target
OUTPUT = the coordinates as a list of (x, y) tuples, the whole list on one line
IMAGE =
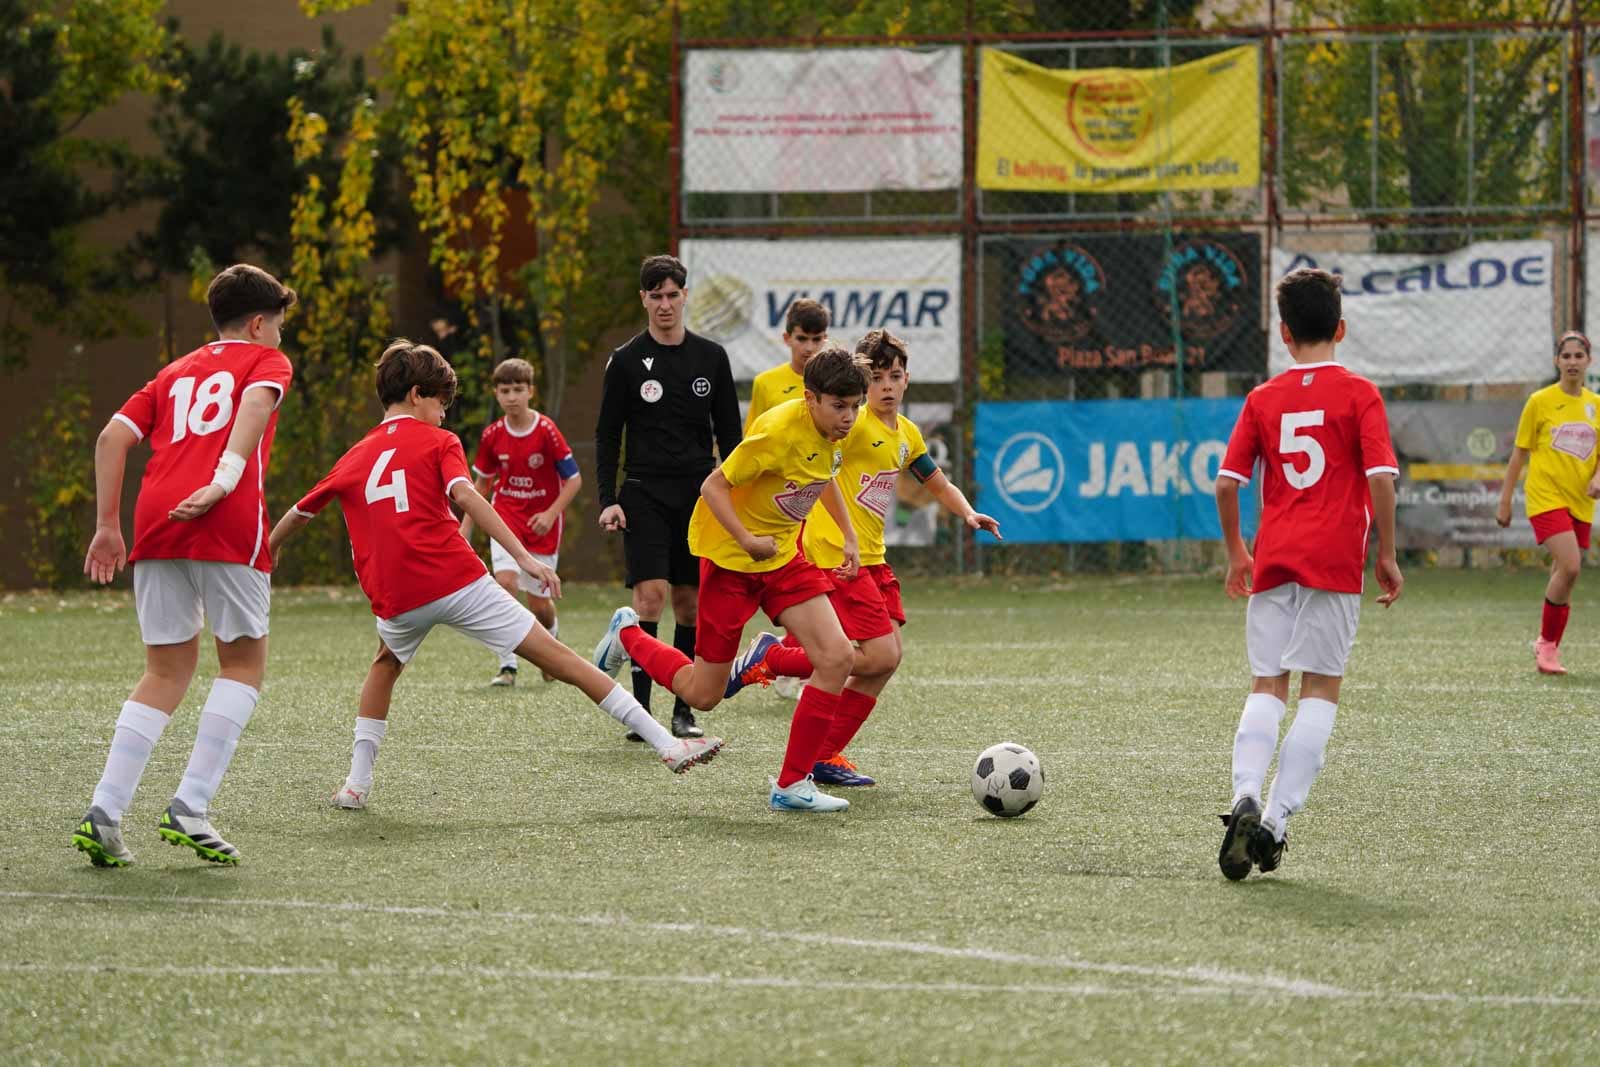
[(1007, 780)]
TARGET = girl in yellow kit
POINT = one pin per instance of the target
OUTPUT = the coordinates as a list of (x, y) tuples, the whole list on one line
[(1556, 438)]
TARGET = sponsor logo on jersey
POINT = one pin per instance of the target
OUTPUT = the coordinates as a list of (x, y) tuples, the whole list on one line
[(503, 457), (1574, 439), (797, 501), (701, 387), (790, 388), (650, 391), (877, 492), (649, 362), (1308, 377)]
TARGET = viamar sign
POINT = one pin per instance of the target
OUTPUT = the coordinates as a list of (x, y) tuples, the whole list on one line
[(1105, 470)]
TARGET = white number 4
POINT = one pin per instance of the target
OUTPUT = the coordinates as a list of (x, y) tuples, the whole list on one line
[(1291, 441), (395, 489)]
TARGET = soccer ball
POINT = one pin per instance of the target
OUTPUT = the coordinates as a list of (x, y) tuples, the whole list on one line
[(1007, 780)]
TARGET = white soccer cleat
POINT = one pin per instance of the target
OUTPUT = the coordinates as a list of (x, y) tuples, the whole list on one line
[(686, 752), (609, 655), (100, 836), (788, 687), (350, 798), (803, 796), (180, 825)]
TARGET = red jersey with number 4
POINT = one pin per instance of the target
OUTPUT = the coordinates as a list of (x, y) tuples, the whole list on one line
[(394, 489), (187, 412), (1318, 432), (527, 472)]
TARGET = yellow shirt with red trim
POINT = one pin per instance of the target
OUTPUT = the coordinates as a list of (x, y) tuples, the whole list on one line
[(874, 456), (778, 472), (771, 388), (1559, 432)]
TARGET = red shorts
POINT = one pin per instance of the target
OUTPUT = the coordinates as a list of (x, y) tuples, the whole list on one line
[(729, 598), (1547, 524), (889, 586), (860, 607)]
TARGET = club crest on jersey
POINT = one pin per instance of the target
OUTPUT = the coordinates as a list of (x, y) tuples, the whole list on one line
[(393, 426), (838, 461), (1308, 377), (796, 502), (701, 387), (217, 351), (877, 492), (905, 451), (650, 391), (1588, 410), (536, 460)]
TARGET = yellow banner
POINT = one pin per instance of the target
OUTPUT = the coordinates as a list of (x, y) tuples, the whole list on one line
[(1120, 130)]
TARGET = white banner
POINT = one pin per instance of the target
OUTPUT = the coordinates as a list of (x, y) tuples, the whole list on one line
[(740, 290), (1479, 315), (1591, 300), (832, 120)]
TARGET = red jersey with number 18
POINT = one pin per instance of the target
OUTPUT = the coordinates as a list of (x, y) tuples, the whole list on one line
[(1319, 432), (394, 489), (187, 412)]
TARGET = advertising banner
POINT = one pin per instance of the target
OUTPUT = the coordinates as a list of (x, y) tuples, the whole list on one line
[(1106, 302), (1120, 130), (1452, 462), (740, 290), (1106, 470), (1475, 316), (821, 120)]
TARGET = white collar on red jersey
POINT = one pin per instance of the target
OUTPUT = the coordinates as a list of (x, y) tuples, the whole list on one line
[(391, 418), (231, 341), (1314, 366), (526, 432)]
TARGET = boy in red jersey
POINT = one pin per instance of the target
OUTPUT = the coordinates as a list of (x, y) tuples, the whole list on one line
[(199, 552), (1321, 437), (527, 462), (745, 530), (395, 487)]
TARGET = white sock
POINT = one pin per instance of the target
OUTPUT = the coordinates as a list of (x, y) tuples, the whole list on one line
[(369, 735), (1254, 744), (222, 721), (620, 705), (1299, 761), (509, 661), (139, 727)]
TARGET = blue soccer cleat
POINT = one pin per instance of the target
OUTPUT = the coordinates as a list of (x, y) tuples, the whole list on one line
[(838, 770), (609, 655), (750, 667)]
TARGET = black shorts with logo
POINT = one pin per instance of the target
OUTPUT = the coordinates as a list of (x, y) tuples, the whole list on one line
[(656, 541)]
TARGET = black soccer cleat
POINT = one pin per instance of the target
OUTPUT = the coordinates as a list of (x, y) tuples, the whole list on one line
[(1242, 823), (1267, 851), (683, 723)]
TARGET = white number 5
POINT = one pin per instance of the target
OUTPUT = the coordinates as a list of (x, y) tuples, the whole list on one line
[(396, 488), (1291, 441)]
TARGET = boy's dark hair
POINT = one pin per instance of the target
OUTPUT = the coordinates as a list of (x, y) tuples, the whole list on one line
[(658, 269), (242, 291), (511, 371), (883, 350), (404, 364), (836, 372), (806, 314), (1309, 304)]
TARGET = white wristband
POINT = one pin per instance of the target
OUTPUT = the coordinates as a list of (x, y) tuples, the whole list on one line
[(230, 468)]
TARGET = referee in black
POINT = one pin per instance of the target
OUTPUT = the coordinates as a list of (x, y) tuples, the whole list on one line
[(668, 391)]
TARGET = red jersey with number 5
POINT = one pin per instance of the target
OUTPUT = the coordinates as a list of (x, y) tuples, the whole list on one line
[(528, 469), (187, 412), (1318, 432), (394, 489)]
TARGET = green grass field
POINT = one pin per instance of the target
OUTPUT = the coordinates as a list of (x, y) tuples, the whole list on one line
[(527, 886)]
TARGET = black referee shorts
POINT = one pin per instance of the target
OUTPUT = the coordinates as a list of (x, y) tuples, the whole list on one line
[(656, 541)]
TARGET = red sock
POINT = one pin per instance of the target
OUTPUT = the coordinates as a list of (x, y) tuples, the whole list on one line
[(655, 657), (791, 640), (1554, 623), (813, 717), (854, 707), (788, 660)]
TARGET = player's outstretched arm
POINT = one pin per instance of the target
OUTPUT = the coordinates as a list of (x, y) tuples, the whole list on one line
[(291, 523), (1502, 513), (953, 500), (1240, 563), (1385, 568), (833, 501), (470, 501), (108, 553), (717, 492), (481, 485), (255, 410)]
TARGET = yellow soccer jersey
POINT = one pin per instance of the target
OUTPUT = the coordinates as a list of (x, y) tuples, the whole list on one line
[(771, 388), (874, 456), (1559, 432), (778, 472)]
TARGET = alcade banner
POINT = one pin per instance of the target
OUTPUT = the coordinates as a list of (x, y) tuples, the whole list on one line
[(1117, 302), (1106, 470), (740, 291), (1478, 315), (822, 120), (1120, 130)]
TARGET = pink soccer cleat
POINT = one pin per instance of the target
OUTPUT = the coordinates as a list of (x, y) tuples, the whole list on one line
[(1547, 657)]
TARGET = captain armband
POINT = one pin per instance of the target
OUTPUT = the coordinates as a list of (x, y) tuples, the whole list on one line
[(567, 468), (923, 467), (230, 468)]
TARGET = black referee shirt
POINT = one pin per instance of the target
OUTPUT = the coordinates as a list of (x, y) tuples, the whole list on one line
[(671, 399)]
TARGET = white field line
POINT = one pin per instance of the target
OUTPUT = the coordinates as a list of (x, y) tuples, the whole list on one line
[(1199, 980)]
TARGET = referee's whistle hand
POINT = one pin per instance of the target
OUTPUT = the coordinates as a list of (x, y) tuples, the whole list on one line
[(612, 518)]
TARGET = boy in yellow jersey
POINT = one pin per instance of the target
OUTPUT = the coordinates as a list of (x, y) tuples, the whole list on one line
[(882, 445), (805, 331), (745, 529), (1556, 438)]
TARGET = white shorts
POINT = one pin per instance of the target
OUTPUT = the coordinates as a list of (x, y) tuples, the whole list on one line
[(1292, 628), (482, 610), (500, 561), (175, 597)]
